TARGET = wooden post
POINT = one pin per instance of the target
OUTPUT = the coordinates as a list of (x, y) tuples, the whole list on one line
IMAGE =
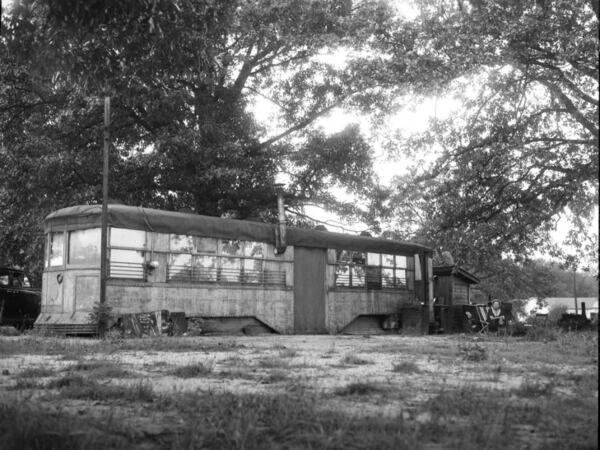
[(104, 231), (575, 288)]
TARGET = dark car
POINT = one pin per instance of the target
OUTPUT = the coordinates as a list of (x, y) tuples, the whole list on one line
[(19, 302)]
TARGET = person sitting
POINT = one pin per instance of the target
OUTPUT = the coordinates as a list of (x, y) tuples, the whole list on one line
[(496, 317), (471, 323)]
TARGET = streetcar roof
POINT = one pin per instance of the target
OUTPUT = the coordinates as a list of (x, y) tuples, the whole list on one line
[(155, 220)]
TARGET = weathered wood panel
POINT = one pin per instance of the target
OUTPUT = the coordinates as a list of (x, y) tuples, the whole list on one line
[(271, 306), (344, 305), (460, 292)]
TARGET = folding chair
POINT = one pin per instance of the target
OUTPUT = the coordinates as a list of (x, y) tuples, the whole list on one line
[(483, 318)]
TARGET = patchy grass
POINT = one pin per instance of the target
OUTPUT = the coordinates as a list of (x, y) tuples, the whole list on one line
[(235, 361), (288, 353), (194, 370), (78, 387), (100, 369), (275, 376), (36, 372), (360, 388), (533, 389), (25, 384), (272, 362), (70, 348), (355, 360), (472, 351), (526, 393), (236, 373), (405, 367), (27, 427)]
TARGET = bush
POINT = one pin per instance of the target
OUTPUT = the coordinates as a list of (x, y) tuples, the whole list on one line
[(102, 316), (547, 333), (556, 313), (472, 351)]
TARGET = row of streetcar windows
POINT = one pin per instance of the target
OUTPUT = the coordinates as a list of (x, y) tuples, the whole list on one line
[(190, 258), (205, 259), (374, 270)]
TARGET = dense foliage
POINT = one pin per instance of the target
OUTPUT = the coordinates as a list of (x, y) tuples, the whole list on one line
[(522, 148), (181, 76), (184, 77)]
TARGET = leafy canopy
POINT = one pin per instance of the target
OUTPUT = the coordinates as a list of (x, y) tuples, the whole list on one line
[(524, 145)]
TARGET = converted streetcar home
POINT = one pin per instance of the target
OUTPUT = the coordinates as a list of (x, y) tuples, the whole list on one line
[(232, 273)]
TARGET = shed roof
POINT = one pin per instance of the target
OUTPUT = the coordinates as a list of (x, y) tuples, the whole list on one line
[(456, 271), (123, 216)]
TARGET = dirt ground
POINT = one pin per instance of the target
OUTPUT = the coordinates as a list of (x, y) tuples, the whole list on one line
[(380, 377)]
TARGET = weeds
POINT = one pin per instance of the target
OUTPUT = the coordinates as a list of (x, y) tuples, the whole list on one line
[(275, 376), (533, 389), (296, 414), (355, 360), (27, 383), (472, 351), (87, 389), (100, 369), (288, 353), (272, 363), (542, 334), (360, 388), (194, 370), (36, 372), (405, 367), (27, 427), (234, 361)]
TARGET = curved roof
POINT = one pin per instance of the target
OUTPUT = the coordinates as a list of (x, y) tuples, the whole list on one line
[(123, 216)]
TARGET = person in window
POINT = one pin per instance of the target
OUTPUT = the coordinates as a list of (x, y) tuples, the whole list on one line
[(16, 282), (496, 317)]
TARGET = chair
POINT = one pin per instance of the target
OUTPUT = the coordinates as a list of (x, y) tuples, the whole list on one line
[(483, 318)]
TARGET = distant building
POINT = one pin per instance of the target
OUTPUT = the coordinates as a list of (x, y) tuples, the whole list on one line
[(548, 303)]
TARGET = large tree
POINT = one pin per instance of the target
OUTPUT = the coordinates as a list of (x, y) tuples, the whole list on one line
[(181, 76), (522, 148)]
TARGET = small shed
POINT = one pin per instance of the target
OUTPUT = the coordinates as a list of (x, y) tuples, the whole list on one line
[(451, 289)]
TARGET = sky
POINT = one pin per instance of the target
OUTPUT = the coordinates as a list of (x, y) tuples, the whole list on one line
[(407, 120)]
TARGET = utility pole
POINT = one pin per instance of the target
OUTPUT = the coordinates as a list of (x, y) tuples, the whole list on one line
[(575, 288), (104, 231)]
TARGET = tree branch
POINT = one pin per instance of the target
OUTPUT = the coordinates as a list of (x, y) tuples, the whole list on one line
[(302, 124)]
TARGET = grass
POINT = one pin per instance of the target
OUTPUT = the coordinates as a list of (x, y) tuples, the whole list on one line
[(554, 407), (466, 418), (360, 388), (100, 369), (36, 372), (533, 389), (73, 348), (272, 362), (75, 386), (194, 370), (27, 427), (235, 361), (472, 351), (275, 376), (355, 360), (288, 353), (405, 367)]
